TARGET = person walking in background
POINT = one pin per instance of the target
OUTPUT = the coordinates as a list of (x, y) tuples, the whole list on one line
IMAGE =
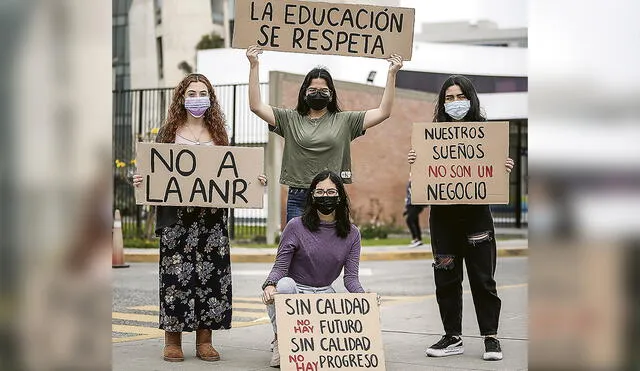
[(412, 217), (195, 265), (463, 233), (317, 133)]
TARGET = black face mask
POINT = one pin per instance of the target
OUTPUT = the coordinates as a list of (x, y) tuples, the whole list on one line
[(317, 101), (327, 204)]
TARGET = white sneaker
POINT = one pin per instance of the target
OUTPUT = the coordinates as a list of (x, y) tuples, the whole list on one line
[(415, 243), (447, 346), (275, 357), (492, 349)]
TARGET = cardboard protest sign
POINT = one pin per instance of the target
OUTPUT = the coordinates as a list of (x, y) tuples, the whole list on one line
[(460, 163), (329, 331), (209, 176), (324, 28)]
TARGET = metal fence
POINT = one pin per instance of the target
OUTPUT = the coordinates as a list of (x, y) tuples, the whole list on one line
[(137, 115), (514, 215)]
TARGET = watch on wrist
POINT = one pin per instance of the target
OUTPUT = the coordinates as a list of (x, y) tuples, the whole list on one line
[(268, 283)]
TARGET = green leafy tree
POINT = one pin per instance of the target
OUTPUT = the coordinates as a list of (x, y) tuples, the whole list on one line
[(210, 41)]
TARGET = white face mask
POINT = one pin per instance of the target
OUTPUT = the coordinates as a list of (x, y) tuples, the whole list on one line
[(457, 109)]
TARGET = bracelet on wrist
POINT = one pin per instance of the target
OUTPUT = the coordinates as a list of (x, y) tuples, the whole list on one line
[(268, 283)]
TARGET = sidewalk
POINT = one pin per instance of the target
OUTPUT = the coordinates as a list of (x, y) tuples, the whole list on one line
[(407, 329), (506, 248)]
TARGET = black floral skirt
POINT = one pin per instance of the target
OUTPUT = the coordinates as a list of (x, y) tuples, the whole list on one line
[(195, 271)]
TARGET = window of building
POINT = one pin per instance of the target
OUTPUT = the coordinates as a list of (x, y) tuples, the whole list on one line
[(501, 45), (160, 58), (120, 44), (157, 6), (217, 10), (506, 85), (431, 82)]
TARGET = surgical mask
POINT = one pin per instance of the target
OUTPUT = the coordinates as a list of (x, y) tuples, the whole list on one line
[(317, 100), (327, 204), (197, 105), (457, 109)]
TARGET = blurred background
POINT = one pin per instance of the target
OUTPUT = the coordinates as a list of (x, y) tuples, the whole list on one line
[(55, 207), (584, 185), (566, 71)]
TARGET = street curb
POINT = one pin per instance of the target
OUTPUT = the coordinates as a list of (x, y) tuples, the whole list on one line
[(365, 256)]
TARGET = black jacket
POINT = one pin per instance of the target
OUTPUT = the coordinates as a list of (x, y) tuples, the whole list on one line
[(165, 215)]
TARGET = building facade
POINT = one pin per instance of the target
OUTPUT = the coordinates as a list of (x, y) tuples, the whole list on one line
[(120, 44), (483, 32), (163, 35)]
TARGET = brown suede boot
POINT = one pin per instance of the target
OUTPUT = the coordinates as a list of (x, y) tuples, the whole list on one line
[(204, 350), (173, 347)]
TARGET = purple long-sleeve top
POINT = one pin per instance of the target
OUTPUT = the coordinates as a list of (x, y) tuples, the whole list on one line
[(316, 258)]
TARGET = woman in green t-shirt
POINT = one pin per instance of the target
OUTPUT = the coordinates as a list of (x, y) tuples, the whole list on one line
[(317, 133)]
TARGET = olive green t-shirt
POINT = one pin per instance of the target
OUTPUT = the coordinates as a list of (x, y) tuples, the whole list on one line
[(314, 145)]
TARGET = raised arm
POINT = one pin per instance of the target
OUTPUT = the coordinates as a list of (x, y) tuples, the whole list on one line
[(375, 116), (264, 111)]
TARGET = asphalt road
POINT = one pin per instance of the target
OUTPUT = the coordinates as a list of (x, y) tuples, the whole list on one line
[(138, 285)]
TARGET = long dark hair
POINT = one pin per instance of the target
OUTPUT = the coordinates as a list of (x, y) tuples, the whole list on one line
[(475, 112), (317, 73), (310, 217)]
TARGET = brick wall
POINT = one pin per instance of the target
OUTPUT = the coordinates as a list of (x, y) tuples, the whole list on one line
[(379, 158)]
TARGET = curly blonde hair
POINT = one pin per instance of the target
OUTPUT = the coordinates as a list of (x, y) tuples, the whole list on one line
[(177, 116)]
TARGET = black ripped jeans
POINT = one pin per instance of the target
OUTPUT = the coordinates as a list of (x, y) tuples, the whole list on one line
[(466, 235)]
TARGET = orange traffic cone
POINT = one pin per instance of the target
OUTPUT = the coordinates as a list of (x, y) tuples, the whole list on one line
[(117, 258)]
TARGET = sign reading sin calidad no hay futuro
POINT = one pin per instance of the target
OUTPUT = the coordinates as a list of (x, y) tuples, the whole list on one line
[(329, 332)]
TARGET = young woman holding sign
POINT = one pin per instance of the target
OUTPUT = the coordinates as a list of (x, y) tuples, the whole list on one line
[(463, 232), (317, 134), (195, 266), (315, 248)]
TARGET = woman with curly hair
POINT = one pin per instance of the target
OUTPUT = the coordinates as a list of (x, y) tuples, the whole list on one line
[(195, 266)]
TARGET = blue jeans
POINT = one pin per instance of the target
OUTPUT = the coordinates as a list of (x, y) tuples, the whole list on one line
[(286, 285), (296, 198)]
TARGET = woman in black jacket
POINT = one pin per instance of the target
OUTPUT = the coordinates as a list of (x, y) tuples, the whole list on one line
[(463, 233)]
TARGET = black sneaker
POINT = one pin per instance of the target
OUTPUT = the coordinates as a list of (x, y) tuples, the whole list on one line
[(492, 350), (447, 346)]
